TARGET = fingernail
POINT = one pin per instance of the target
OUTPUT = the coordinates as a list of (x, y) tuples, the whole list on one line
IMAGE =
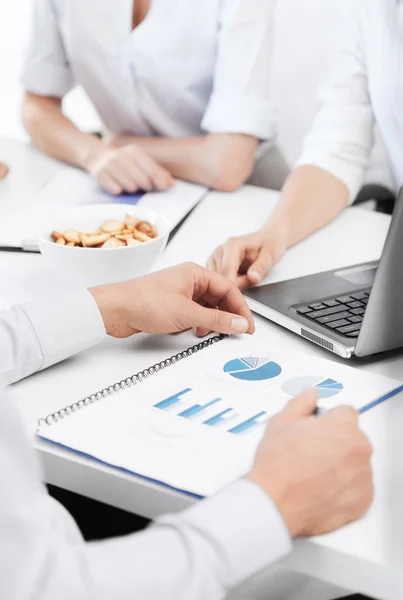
[(254, 276), (239, 325)]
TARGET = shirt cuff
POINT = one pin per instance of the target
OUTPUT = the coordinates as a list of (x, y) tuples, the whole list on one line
[(65, 325), (47, 79), (351, 175), (239, 113), (246, 526), (340, 142)]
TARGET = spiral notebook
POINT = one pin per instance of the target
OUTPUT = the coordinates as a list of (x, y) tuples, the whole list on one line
[(193, 422)]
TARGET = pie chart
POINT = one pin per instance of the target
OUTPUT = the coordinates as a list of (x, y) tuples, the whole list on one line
[(252, 369), (326, 387)]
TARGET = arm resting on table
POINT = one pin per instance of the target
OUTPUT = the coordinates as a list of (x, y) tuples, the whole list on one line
[(53, 133), (220, 161), (38, 335), (198, 555)]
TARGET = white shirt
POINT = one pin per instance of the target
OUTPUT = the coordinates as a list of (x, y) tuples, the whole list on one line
[(366, 86), (197, 555), (191, 67)]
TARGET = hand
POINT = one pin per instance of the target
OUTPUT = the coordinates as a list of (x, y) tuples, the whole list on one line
[(316, 470), (245, 260), (127, 169), (4, 170), (171, 301)]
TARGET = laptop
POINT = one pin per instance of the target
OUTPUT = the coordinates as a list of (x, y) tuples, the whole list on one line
[(356, 311)]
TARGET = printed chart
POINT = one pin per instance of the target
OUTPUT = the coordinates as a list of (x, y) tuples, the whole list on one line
[(326, 387), (252, 368), (208, 414)]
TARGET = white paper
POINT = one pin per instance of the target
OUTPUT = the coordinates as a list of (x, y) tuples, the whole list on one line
[(356, 236), (210, 445)]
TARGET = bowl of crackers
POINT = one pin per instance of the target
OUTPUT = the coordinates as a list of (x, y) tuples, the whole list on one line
[(103, 243)]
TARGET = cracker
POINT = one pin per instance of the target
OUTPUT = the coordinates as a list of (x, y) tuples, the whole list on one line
[(72, 235), (112, 226), (140, 236), (147, 228), (130, 221), (133, 242), (113, 243), (94, 240)]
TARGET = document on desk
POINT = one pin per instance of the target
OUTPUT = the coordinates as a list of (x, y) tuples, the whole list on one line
[(194, 422), (71, 187), (226, 215)]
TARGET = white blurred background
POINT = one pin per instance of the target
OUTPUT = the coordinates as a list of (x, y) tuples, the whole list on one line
[(304, 39), (15, 16), (300, 28)]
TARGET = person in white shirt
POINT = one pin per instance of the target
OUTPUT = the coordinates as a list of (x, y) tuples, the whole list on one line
[(311, 475), (182, 88), (366, 86)]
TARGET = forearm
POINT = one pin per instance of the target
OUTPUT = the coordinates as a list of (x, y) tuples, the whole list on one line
[(53, 133), (200, 554), (219, 161), (35, 335), (311, 198)]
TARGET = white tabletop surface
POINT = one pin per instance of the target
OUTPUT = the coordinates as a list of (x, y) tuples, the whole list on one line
[(30, 170), (366, 556)]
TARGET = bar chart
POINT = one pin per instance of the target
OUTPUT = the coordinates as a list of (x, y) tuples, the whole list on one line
[(173, 401), (250, 424), (214, 413), (222, 418), (197, 409)]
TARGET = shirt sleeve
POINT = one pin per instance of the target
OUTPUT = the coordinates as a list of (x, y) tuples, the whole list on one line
[(342, 136), (240, 102), (198, 555), (37, 335), (46, 70)]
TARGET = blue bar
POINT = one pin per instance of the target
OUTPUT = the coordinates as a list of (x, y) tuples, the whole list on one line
[(197, 408), (242, 427), (168, 402), (217, 418)]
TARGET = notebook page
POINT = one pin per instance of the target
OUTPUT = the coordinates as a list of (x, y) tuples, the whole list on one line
[(196, 426)]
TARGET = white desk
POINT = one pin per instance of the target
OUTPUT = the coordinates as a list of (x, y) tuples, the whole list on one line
[(366, 556), (29, 169)]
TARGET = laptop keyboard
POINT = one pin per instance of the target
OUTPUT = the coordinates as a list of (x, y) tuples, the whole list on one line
[(343, 314)]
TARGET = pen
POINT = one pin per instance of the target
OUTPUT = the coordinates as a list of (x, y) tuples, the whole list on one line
[(322, 411), (26, 246), (380, 400)]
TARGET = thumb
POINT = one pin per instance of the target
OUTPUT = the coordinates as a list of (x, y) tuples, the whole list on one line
[(301, 407), (258, 270), (213, 319)]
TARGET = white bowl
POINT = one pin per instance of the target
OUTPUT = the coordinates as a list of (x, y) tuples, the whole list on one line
[(94, 266)]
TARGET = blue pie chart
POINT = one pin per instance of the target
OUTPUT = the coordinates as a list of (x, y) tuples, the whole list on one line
[(252, 368), (325, 386)]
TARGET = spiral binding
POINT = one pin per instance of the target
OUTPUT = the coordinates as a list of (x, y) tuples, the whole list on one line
[(57, 416)]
